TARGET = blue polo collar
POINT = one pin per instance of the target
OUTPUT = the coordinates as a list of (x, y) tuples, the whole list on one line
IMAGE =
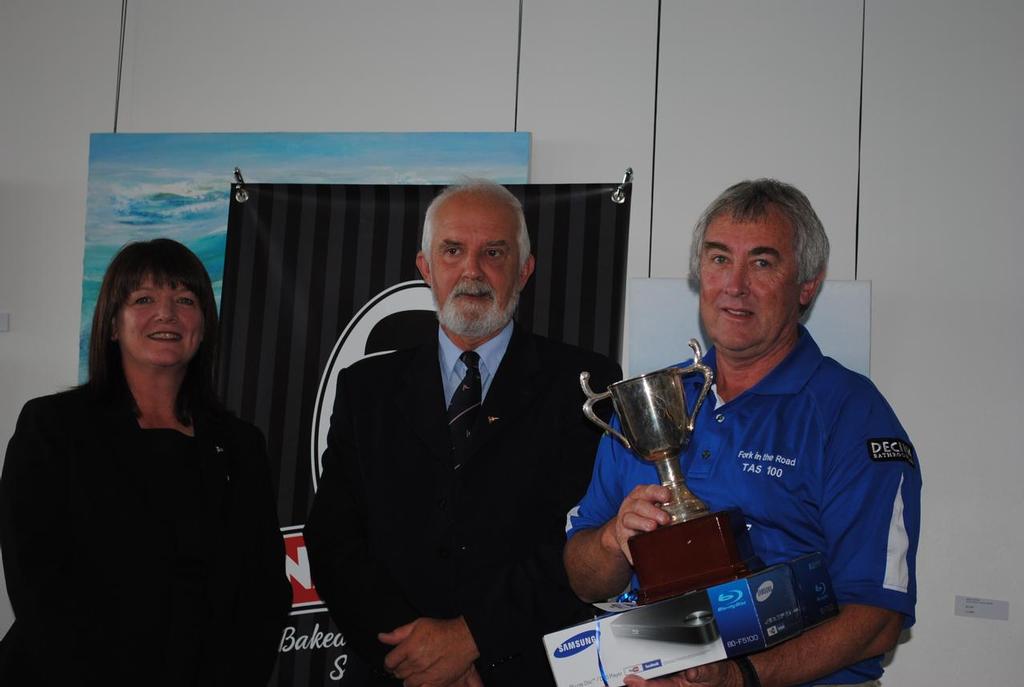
[(788, 377)]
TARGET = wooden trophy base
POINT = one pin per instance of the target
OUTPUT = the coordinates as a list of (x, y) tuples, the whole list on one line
[(690, 555)]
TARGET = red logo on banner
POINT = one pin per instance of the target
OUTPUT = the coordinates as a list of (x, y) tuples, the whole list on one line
[(296, 563)]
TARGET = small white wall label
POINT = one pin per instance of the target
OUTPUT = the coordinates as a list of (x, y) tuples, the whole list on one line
[(973, 607)]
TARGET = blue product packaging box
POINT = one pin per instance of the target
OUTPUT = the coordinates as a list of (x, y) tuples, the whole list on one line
[(814, 589), (738, 617)]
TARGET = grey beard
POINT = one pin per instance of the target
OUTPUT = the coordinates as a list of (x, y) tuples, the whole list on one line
[(471, 322)]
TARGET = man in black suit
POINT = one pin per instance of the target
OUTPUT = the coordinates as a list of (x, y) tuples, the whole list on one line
[(436, 536)]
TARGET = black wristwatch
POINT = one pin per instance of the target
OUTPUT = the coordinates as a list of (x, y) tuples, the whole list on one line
[(750, 678)]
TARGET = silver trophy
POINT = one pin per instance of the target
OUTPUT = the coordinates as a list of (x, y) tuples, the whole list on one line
[(656, 425)]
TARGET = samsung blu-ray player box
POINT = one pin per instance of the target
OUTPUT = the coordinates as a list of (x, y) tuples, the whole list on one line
[(738, 617)]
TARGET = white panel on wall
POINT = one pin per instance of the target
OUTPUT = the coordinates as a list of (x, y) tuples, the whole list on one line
[(586, 92), (320, 65), (58, 67), (753, 89), (941, 238)]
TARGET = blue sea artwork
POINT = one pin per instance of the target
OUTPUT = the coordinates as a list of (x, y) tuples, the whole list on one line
[(145, 186)]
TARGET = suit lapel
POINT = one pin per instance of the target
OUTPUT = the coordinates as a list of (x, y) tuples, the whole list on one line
[(219, 465), (420, 401), (219, 452), (513, 390), (121, 438)]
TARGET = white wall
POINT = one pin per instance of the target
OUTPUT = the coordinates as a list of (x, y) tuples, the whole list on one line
[(736, 90), (941, 236), (58, 75)]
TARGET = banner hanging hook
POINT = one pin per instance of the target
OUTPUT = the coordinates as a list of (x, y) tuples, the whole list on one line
[(619, 194), (241, 195)]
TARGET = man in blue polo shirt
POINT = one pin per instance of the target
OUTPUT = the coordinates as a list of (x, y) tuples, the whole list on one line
[(808, 450)]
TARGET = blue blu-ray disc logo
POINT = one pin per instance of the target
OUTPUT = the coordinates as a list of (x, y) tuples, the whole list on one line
[(729, 599), (576, 644)]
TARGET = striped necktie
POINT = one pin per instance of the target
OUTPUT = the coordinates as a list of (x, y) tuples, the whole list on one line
[(465, 403)]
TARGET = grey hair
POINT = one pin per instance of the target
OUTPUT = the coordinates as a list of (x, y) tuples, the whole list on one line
[(481, 188), (751, 200)]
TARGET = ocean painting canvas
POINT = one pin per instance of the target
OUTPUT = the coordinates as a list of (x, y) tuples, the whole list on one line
[(145, 186)]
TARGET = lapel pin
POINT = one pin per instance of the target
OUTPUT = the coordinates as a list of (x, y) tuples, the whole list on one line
[(219, 449), (491, 419)]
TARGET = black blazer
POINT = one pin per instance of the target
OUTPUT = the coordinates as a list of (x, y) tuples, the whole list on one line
[(398, 530), (88, 575)]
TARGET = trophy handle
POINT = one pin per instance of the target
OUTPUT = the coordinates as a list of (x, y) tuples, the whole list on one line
[(709, 377), (588, 409)]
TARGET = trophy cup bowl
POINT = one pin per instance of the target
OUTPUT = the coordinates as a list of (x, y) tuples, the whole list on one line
[(698, 548)]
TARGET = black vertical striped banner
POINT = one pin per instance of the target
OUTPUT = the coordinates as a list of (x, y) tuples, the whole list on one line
[(302, 260)]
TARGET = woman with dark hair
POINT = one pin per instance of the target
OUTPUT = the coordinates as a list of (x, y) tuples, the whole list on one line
[(138, 527)]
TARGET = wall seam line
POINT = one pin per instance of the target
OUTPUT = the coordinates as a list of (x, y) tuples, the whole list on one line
[(860, 140), (120, 64), (654, 140), (519, 62)]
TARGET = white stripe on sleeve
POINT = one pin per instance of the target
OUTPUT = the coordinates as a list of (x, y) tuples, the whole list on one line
[(575, 511), (897, 574)]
